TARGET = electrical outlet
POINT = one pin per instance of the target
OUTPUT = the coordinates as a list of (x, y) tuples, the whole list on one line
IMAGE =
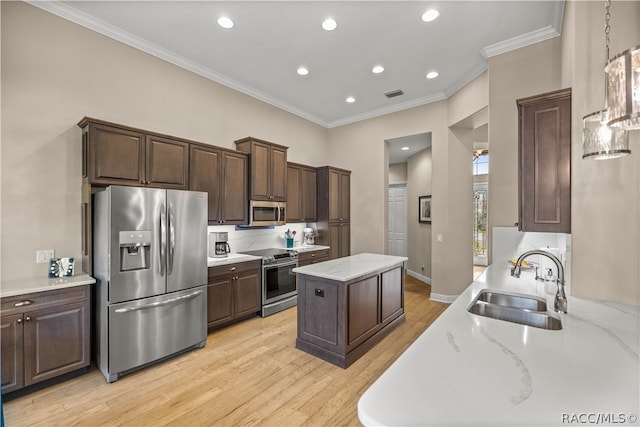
[(439, 237), (422, 267), (44, 255)]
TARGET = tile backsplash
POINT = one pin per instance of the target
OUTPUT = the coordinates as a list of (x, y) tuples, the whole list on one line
[(509, 243), (247, 239)]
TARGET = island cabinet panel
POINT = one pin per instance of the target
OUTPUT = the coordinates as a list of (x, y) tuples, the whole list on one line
[(233, 292), (392, 303), (362, 310), (340, 320), (44, 335), (321, 314)]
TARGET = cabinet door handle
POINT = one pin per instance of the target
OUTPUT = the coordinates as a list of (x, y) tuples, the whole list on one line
[(233, 269), (23, 303), (27, 319), (19, 321)]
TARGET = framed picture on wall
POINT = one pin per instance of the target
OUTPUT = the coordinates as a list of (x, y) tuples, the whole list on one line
[(424, 209)]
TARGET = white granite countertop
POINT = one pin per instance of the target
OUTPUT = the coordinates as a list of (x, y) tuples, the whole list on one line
[(471, 370), (309, 248), (11, 288), (231, 258), (347, 268)]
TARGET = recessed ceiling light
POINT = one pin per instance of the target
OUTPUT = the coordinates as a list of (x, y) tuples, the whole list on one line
[(405, 148), (432, 74), (329, 24), (430, 15), (225, 22), (377, 69), (350, 99), (303, 71)]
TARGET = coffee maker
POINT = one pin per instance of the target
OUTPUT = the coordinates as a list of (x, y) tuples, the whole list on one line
[(218, 246)]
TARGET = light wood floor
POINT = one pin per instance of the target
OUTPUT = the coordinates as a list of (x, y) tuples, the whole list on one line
[(247, 374)]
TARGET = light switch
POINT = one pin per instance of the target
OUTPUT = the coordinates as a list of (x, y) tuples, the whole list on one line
[(44, 255), (439, 237)]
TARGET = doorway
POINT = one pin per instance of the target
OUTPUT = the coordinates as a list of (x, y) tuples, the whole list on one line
[(480, 223), (398, 219)]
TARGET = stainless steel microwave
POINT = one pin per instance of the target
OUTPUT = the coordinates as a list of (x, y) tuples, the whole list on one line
[(263, 213)]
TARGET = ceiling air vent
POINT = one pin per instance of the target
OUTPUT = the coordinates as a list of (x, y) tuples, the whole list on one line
[(394, 93)]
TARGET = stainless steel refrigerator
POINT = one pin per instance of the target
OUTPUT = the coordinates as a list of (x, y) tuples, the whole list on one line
[(150, 264)]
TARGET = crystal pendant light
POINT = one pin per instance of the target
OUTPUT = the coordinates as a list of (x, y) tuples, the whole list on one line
[(623, 86), (599, 140)]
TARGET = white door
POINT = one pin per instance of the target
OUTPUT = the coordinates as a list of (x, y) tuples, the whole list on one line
[(398, 220)]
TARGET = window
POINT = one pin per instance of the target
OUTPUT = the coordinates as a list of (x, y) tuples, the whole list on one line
[(481, 162)]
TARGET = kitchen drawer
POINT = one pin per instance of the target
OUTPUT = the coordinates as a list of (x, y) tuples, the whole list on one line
[(222, 270), (38, 300), (312, 257)]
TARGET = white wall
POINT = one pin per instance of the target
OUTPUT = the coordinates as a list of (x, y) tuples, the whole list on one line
[(398, 173), (605, 194), (54, 73), (419, 183)]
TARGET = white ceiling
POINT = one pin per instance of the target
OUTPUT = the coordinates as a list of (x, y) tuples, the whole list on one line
[(271, 39)]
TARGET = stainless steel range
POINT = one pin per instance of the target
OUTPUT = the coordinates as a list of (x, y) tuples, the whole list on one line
[(279, 290)]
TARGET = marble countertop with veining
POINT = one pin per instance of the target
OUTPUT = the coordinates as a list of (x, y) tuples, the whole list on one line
[(347, 268), (471, 370)]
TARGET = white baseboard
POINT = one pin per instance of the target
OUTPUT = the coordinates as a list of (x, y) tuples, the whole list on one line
[(420, 277), (448, 299)]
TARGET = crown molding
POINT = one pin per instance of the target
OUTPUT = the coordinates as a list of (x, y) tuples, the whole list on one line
[(518, 42), (99, 26), (388, 110)]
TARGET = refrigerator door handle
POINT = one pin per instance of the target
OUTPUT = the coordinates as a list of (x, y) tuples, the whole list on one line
[(172, 241), (162, 239), (160, 303)]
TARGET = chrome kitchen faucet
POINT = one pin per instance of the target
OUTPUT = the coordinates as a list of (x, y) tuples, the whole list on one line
[(560, 302)]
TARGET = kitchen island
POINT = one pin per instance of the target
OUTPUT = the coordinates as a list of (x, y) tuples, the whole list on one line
[(467, 369), (348, 305)]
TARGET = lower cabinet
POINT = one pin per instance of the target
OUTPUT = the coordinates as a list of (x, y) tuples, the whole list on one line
[(312, 257), (233, 292), (339, 240), (44, 335)]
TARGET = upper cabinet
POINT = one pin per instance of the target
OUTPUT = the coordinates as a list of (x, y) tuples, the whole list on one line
[(334, 207), (223, 175), (268, 166), (544, 162), (114, 155), (301, 193)]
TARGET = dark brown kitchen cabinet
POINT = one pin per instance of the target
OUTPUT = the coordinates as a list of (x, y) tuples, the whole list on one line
[(115, 155), (233, 292), (44, 335), (301, 193), (339, 321), (544, 162), (334, 210), (223, 175), (268, 169), (312, 257)]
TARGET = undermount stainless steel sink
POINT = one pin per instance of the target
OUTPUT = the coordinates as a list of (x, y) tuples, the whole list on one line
[(525, 302), (515, 308)]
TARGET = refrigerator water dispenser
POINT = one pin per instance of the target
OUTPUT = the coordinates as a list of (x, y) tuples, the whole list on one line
[(135, 249)]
